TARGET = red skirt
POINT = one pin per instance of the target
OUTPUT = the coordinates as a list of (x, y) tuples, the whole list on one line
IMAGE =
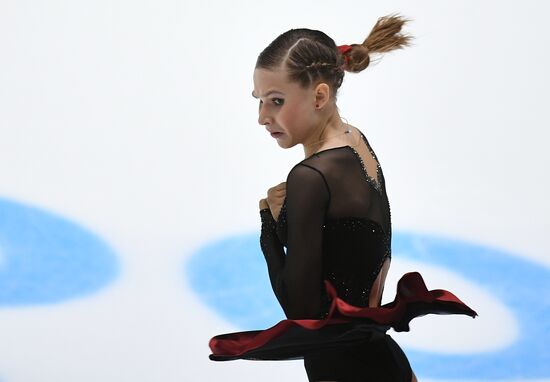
[(345, 324)]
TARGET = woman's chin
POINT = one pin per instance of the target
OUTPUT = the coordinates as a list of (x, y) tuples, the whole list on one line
[(284, 145), (282, 142)]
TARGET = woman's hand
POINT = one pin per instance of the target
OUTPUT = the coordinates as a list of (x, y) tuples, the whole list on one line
[(263, 204), (275, 198)]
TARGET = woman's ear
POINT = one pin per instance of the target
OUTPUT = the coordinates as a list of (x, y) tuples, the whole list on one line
[(322, 95)]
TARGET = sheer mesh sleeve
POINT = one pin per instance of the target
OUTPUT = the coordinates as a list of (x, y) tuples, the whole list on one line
[(273, 252), (296, 277)]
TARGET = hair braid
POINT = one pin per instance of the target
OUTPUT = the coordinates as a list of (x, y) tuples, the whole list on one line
[(309, 56)]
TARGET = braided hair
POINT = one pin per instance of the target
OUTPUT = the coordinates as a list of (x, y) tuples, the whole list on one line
[(310, 56)]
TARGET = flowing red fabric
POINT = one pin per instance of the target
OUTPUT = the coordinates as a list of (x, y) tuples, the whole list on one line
[(412, 300)]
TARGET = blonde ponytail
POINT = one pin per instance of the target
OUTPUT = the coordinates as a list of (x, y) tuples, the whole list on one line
[(384, 37)]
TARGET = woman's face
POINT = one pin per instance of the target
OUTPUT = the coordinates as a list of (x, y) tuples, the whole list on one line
[(285, 108)]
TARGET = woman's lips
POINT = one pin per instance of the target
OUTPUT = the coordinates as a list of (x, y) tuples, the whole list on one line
[(276, 135)]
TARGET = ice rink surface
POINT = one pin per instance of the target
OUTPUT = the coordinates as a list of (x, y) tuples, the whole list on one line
[(132, 163)]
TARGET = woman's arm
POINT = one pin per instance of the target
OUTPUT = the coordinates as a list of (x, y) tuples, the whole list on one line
[(296, 277), (274, 254)]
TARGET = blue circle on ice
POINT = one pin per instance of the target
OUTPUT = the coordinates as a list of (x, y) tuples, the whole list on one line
[(231, 277), (45, 258), (523, 286)]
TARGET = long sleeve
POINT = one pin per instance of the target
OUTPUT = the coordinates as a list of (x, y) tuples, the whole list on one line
[(296, 277), (274, 254)]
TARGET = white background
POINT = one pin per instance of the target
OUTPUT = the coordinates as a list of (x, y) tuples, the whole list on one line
[(134, 118)]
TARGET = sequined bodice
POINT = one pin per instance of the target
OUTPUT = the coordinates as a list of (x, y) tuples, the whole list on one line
[(354, 250)]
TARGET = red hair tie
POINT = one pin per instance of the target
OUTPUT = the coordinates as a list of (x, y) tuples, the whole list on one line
[(344, 49)]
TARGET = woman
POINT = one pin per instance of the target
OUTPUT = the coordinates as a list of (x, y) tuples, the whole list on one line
[(333, 216)]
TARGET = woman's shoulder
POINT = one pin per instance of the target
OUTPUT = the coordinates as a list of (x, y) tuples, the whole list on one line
[(333, 160), (327, 160)]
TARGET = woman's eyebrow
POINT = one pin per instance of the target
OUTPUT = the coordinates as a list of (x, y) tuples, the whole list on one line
[(267, 94)]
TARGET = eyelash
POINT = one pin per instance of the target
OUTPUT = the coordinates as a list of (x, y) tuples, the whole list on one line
[(276, 101)]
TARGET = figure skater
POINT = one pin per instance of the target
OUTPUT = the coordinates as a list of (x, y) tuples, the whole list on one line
[(333, 217)]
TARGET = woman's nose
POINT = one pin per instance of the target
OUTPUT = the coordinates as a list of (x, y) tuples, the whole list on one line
[(263, 117)]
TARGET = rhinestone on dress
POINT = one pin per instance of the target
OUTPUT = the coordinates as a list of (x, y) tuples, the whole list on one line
[(375, 183)]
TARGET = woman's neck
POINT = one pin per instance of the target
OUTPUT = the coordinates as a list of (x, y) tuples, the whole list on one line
[(332, 132)]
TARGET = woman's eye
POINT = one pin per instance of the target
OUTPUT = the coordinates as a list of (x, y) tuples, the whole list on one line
[(275, 101)]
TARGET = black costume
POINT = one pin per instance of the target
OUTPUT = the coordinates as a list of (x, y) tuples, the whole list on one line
[(335, 223)]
